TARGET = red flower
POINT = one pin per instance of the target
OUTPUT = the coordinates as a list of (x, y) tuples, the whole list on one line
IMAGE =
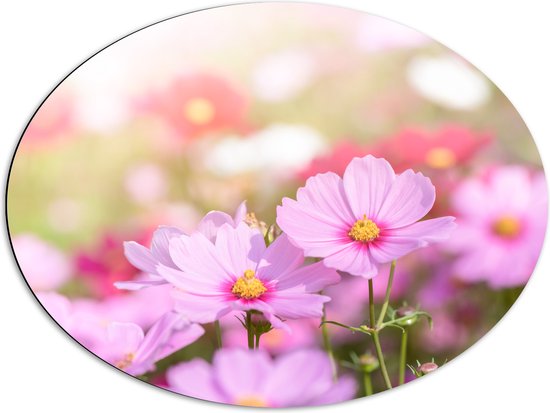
[(198, 104)]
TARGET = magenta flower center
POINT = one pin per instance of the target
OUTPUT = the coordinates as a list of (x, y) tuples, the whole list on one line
[(125, 362), (198, 111), (364, 230), (507, 227), (248, 286)]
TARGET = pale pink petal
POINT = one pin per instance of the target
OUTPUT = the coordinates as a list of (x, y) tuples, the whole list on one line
[(242, 373), (124, 338), (156, 344), (212, 222), (428, 231), (313, 278), (198, 258), (201, 309), (180, 339), (367, 182), (296, 304), (353, 258), (240, 248), (140, 257), (314, 371), (280, 258), (190, 283), (410, 198), (385, 250), (240, 213), (344, 389), (160, 244), (140, 284), (325, 193), (195, 379), (309, 230)]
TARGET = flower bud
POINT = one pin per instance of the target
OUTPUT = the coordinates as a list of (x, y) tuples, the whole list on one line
[(368, 363), (426, 368), (406, 311)]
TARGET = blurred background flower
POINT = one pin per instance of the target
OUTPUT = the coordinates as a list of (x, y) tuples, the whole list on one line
[(180, 119)]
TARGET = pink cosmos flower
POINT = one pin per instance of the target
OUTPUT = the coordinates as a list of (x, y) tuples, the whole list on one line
[(43, 265), (147, 260), (198, 104), (366, 219), (126, 347), (502, 217), (238, 273), (252, 378)]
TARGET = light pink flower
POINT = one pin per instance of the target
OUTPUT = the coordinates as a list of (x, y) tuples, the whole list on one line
[(43, 265), (146, 259), (126, 347), (238, 273), (252, 378), (366, 219), (502, 217)]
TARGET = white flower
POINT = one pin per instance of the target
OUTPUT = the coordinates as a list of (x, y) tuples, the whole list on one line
[(448, 81), (278, 148)]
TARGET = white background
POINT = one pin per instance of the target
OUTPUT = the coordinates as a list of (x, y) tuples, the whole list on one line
[(42, 369)]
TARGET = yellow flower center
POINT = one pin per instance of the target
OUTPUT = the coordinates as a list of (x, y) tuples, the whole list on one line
[(125, 362), (251, 401), (198, 111), (440, 158), (507, 227), (364, 230), (248, 286)]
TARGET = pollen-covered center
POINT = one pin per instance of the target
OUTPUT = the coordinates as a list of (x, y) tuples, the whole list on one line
[(364, 230), (125, 362), (507, 227), (251, 401), (440, 158), (248, 286), (198, 111)]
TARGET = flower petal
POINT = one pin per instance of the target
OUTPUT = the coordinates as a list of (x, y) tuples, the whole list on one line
[(124, 338), (212, 222), (325, 193), (427, 231), (201, 309), (199, 259), (140, 257), (280, 258), (241, 373), (411, 196), (311, 231), (139, 284), (240, 248), (313, 278), (195, 379), (160, 244), (315, 373), (297, 304), (367, 182), (353, 258)]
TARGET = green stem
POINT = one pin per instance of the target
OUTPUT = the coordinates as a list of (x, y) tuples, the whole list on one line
[(257, 345), (249, 330), (387, 297), (381, 359), (371, 305), (328, 345), (218, 330), (403, 356), (367, 383)]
